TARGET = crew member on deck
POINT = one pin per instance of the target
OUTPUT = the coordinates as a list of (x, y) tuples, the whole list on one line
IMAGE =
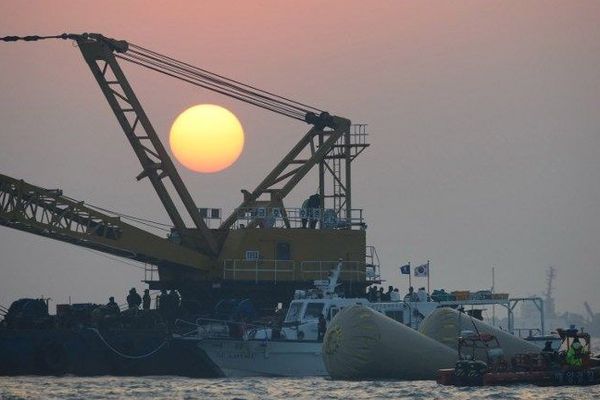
[(112, 307), (146, 300), (310, 209), (322, 328), (411, 296), (549, 355), (575, 354), (388, 294), (304, 213), (134, 300), (175, 299), (314, 205), (159, 300)]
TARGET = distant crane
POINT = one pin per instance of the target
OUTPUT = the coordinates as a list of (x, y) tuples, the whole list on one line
[(589, 310)]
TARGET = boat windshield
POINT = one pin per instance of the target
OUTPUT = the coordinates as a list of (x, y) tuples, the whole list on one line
[(313, 310), (293, 314)]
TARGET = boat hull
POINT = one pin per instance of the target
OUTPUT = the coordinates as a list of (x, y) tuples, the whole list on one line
[(237, 358), (89, 352), (582, 377)]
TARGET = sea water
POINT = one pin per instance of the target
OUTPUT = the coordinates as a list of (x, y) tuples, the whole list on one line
[(170, 387), (29, 387)]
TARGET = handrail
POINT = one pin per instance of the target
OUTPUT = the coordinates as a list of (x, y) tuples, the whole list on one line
[(236, 266), (203, 328), (530, 331), (308, 269), (278, 217), (329, 265)]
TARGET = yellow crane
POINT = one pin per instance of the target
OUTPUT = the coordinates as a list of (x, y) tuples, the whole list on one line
[(262, 249)]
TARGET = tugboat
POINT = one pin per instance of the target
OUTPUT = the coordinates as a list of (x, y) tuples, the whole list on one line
[(572, 365)]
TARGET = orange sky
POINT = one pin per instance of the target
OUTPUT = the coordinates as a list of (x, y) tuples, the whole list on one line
[(483, 121)]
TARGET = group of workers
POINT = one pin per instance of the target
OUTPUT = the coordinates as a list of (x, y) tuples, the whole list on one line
[(393, 294), (378, 295), (167, 303), (134, 300)]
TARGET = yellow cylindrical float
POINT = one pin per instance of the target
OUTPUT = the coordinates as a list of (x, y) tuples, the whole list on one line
[(446, 324), (361, 343)]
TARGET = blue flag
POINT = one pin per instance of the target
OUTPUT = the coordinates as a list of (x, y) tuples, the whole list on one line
[(405, 269)]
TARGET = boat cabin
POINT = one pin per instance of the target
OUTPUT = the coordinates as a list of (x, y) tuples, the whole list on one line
[(302, 319)]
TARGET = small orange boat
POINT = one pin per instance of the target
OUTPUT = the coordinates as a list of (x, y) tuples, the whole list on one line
[(547, 368)]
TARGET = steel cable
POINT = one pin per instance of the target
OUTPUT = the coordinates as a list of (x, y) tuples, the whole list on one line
[(222, 84), (212, 87), (191, 74), (314, 109)]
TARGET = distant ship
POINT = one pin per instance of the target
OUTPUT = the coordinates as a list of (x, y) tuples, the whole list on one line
[(552, 319)]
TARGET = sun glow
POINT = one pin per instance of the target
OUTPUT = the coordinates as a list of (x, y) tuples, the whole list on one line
[(206, 138)]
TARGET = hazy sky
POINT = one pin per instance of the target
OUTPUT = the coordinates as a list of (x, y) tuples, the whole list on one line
[(483, 118)]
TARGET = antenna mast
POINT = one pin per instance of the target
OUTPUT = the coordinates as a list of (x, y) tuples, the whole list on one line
[(550, 276)]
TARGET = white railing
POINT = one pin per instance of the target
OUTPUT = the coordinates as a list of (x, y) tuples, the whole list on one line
[(277, 217), (209, 328), (287, 270), (322, 269), (271, 270)]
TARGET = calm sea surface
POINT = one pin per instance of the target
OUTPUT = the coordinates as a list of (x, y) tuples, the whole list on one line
[(168, 387), (265, 388)]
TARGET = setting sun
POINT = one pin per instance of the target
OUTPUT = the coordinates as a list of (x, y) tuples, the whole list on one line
[(206, 138)]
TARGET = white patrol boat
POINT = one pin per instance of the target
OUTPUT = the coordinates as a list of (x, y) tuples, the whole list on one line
[(294, 349)]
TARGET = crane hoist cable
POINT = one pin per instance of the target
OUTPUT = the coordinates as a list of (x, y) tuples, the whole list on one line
[(183, 71), (207, 83), (236, 85)]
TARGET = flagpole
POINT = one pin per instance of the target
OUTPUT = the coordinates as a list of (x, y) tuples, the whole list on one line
[(428, 273), (409, 276), (494, 291)]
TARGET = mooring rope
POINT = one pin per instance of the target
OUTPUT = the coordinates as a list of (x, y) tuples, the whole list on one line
[(127, 355)]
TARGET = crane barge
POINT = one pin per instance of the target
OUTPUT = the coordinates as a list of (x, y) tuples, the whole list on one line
[(262, 250)]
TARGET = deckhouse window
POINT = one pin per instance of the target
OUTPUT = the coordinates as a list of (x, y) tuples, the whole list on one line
[(282, 251), (313, 310), (293, 314)]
